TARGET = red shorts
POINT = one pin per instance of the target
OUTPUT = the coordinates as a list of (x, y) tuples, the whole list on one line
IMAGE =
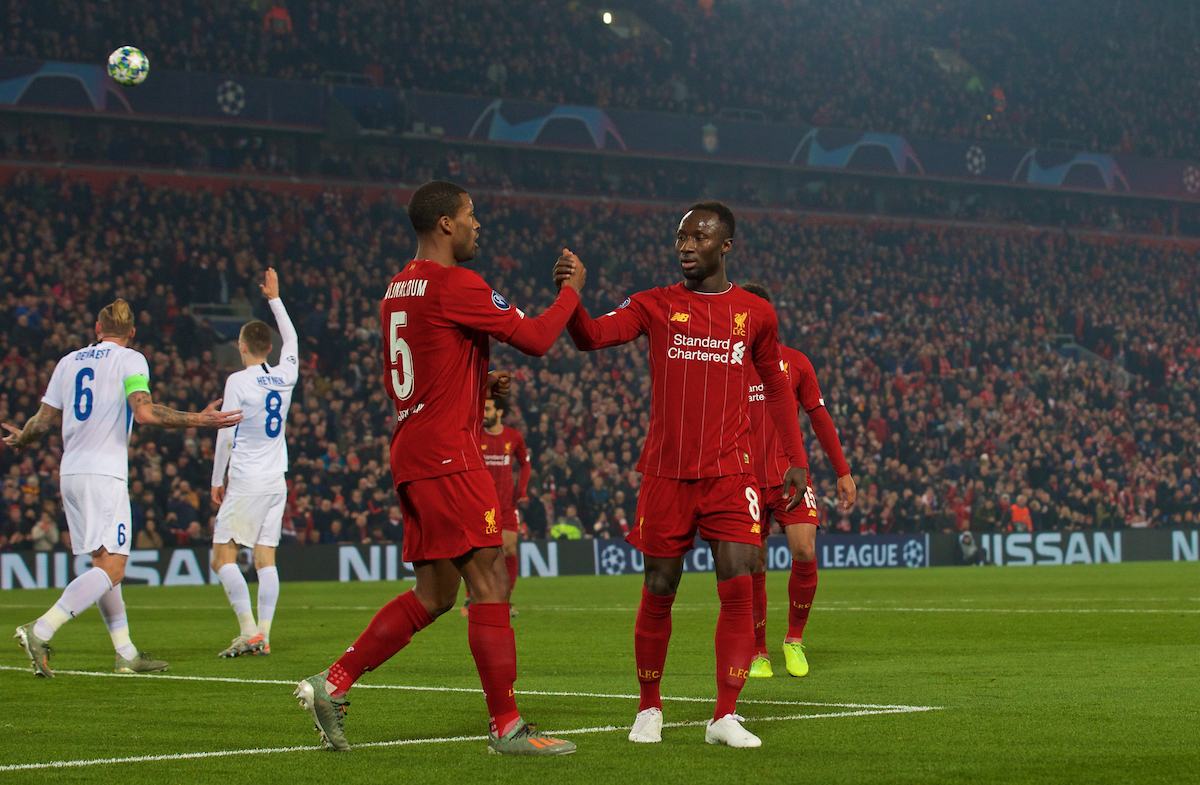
[(508, 520), (445, 517), (775, 504), (670, 513)]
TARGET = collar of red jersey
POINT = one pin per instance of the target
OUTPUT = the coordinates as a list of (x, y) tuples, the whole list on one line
[(727, 290)]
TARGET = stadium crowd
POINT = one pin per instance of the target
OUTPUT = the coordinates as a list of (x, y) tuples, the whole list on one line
[(203, 149), (1099, 77), (936, 349)]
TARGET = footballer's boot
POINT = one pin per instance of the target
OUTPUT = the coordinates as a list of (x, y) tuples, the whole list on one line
[(327, 711), (761, 668), (244, 644), (729, 731), (463, 609), (512, 612), (524, 739), (37, 650), (647, 726), (142, 663), (793, 655), (265, 651)]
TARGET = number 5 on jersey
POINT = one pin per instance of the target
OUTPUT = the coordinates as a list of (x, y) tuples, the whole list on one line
[(402, 362)]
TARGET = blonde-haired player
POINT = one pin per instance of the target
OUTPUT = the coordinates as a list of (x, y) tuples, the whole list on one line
[(97, 393), (251, 513)]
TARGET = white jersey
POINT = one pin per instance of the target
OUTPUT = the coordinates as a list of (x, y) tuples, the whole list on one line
[(256, 450), (91, 387)]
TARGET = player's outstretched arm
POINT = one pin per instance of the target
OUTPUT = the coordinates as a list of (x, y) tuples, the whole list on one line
[(146, 412), (536, 336), (37, 426), (620, 326), (289, 353)]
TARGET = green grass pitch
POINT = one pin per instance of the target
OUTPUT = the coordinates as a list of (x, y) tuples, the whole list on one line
[(1063, 674)]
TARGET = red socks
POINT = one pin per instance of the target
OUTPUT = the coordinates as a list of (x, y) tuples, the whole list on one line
[(511, 563), (802, 587), (760, 614), (389, 632), (735, 641), (651, 635), (494, 648)]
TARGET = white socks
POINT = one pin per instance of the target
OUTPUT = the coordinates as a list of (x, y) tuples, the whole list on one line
[(239, 597), (112, 609), (79, 595), (268, 595)]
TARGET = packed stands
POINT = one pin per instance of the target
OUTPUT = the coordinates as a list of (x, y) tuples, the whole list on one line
[(1105, 79), (937, 349)]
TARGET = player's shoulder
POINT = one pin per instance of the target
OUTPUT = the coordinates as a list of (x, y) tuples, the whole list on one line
[(512, 433), (796, 357)]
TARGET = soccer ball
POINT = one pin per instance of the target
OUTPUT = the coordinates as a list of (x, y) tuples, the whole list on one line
[(128, 66)]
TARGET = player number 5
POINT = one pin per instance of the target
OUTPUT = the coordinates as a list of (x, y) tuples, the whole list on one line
[(402, 379), (752, 497)]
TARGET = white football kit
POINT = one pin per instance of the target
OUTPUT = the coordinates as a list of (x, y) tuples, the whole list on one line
[(91, 387), (255, 452)]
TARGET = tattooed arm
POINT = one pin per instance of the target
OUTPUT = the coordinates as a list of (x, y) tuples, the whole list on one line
[(36, 427), (146, 412)]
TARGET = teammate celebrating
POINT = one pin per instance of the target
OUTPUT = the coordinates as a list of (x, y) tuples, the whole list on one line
[(437, 319), (704, 334), (800, 525), (96, 393), (251, 509), (502, 446)]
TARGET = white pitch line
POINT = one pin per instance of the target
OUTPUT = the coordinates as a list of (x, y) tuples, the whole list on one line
[(418, 688), (67, 764)]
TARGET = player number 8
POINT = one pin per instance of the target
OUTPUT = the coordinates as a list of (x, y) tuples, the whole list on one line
[(401, 357), (274, 415), (752, 497)]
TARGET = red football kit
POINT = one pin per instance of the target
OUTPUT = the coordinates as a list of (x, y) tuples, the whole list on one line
[(437, 322), (702, 349), (770, 461), (500, 452)]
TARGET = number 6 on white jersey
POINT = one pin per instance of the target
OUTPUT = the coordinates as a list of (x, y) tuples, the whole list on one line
[(402, 357)]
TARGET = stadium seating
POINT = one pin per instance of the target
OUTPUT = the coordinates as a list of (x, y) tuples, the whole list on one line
[(1053, 73), (923, 379)]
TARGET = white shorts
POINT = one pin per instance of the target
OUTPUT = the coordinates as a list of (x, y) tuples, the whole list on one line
[(98, 514), (250, 520)]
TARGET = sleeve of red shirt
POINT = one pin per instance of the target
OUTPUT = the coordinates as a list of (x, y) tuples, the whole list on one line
[(471, 303), (623, 325), (522, 454), (808, 392), (781, 403)]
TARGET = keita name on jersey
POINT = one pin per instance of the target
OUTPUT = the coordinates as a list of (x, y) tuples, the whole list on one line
[(412, 288)]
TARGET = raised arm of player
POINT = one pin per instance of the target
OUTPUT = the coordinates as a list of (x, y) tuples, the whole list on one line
[(37, 426), (623, 325), (472, 304), (289, 354), (147, 412), (224, 449)]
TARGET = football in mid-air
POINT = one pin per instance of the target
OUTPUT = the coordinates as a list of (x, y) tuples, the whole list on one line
[(128, 66)]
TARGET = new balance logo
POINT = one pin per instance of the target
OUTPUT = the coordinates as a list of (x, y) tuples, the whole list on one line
[(680, 317)]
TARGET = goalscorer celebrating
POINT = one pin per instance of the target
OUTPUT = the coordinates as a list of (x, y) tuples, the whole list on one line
[(704, 334), (251, 506)]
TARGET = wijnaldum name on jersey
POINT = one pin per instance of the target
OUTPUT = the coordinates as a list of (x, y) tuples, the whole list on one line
[(412, 288)]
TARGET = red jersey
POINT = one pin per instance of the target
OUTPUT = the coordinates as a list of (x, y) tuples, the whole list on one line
[(770, 460), (500, 451), (702, 347), (436, 326)]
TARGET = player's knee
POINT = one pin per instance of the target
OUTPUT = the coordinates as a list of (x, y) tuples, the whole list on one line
[(805, 551), (660, 584)]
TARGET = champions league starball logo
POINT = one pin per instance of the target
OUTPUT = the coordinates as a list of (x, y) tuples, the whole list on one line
[(913, 554), (612, 560), (976, 160), (231, 97)]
